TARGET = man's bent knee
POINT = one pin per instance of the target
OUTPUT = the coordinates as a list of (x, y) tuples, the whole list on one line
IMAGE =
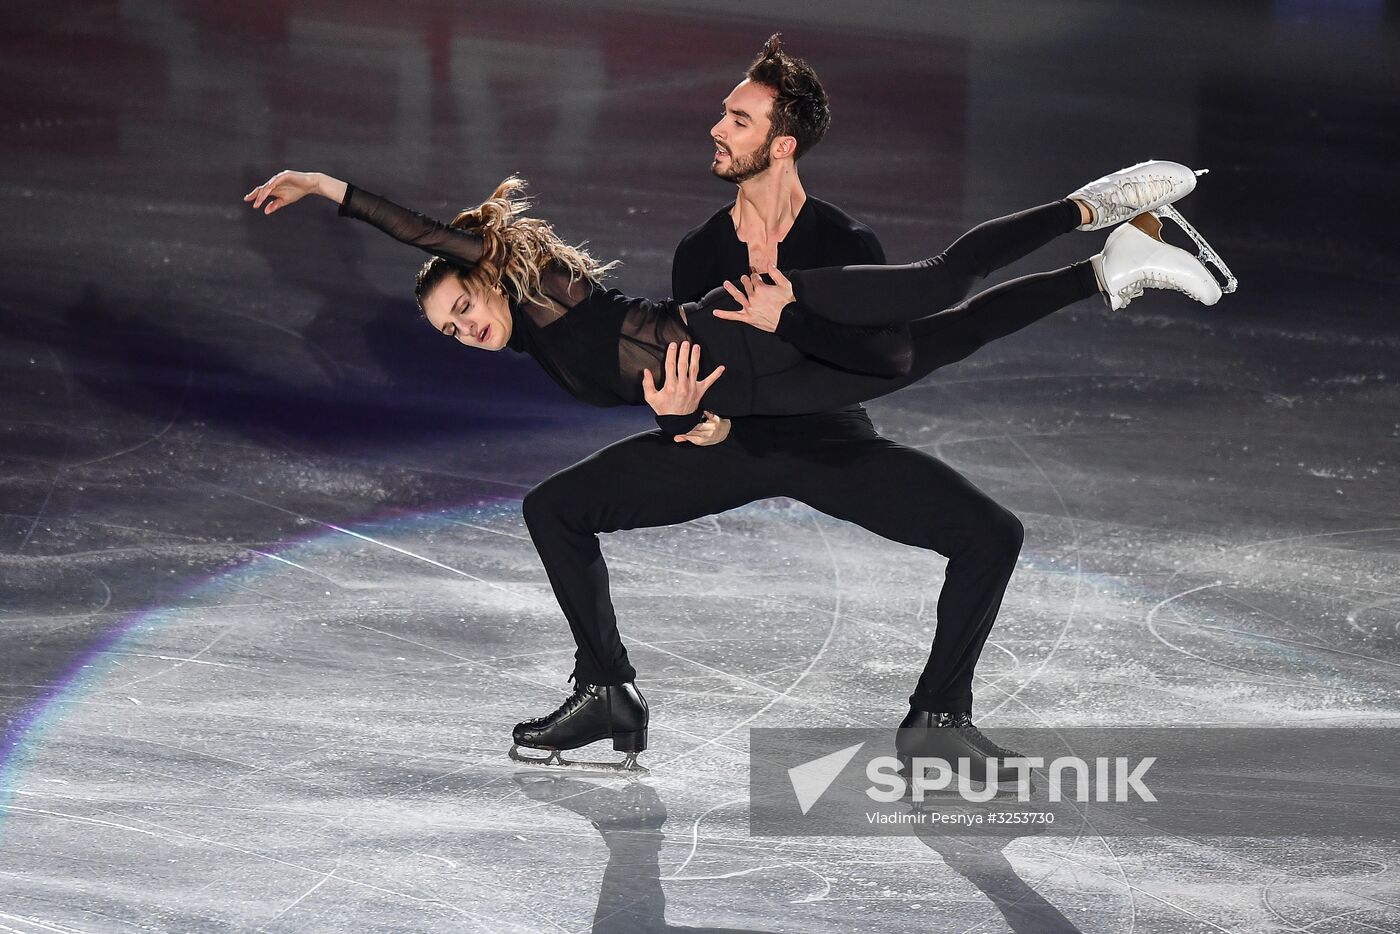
[(1006, 533), (546, 504)]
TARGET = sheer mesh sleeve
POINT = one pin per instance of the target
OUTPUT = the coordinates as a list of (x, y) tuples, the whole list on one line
[(557, 284), (460, 246), (558, 292)]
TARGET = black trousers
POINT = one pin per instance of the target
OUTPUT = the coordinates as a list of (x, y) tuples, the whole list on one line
[(836, 463)]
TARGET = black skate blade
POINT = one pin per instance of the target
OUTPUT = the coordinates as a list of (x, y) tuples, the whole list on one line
[(555, 762), (937, 797)]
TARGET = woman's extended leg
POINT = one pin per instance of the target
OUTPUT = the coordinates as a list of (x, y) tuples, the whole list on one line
[(953, 334), (885, 295), (937, 340), (878, 295), (881, 295)]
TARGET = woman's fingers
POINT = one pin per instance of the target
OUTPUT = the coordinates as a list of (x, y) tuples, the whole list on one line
[(279, 191), (711, 430), (648, 384), (694, 361), (697, 435), (257, 188), (262, 191)]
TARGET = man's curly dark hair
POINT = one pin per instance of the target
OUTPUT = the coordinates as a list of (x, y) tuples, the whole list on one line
[(800, 109)]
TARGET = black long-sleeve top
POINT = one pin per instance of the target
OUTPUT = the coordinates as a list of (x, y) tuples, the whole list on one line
[(595, 341), (821, 235)]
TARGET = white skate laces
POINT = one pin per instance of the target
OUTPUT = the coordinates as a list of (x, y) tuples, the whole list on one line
[(1150, 280), (1131, 191)]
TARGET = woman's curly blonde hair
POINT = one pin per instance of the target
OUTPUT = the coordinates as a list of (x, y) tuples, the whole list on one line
[(516, 249)]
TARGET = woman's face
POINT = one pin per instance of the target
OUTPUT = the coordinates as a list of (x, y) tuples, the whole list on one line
[(475, 317)]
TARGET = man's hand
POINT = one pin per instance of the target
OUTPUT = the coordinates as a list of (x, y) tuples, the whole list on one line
[(712, 430), (683, 388), (760, 304)]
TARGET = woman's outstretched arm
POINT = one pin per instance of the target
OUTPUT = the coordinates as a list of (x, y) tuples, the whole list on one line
[(459, 246), (288, 187)]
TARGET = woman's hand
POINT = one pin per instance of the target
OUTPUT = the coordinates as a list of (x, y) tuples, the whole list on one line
[(288, 187), (683, 388), (712, 430), (760, 304)]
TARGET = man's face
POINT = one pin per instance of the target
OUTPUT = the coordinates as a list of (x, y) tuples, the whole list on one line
[(742, 146)]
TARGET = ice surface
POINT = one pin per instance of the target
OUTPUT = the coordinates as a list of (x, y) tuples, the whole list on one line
[(269, 607)]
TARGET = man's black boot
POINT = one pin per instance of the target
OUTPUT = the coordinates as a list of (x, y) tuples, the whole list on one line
[(592, 713), (951, 736)]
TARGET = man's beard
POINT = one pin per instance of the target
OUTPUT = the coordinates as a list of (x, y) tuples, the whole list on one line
[(742, 169)]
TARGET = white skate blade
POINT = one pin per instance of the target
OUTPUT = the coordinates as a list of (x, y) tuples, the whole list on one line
[(555, 762), (1206, 254)]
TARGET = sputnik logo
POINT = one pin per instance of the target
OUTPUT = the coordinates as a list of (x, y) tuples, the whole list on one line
[(810, 780)]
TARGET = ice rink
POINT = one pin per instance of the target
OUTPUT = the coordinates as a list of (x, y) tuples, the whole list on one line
[(268, 609)]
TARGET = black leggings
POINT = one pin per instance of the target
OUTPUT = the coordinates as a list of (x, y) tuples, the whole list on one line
[(927, 295), (873, 295)]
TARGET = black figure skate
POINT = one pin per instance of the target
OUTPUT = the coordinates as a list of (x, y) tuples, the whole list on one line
[(593, 712), (952, 737)]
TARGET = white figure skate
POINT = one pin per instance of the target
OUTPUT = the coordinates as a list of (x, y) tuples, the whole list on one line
[(1128, 192), (1149, 188), (1136, 258)]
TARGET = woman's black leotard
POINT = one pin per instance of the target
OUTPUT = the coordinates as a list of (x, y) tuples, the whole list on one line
[(864, 330)]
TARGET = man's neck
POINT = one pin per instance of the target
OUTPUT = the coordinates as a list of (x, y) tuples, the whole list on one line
[(768, 203)]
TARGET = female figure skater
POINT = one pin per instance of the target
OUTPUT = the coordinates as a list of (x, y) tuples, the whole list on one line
[(847, 334), (500, 280)]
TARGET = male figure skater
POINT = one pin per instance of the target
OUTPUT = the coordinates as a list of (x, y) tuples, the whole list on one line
[(835, 462)]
